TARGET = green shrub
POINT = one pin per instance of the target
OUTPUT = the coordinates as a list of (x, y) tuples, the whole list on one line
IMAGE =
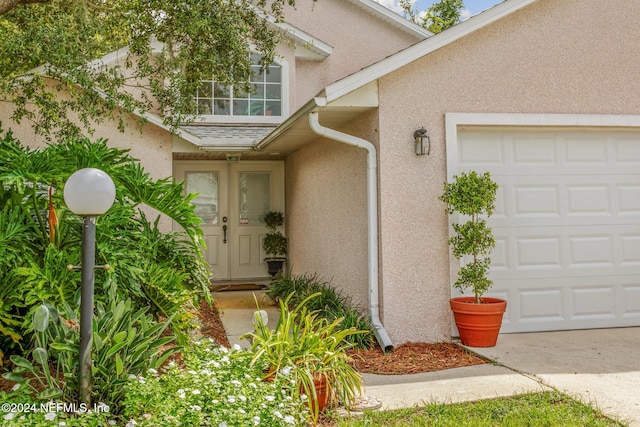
[(39, 237), (124, 343), (304, 346), (473, 195), (332, 304), (274, 243)]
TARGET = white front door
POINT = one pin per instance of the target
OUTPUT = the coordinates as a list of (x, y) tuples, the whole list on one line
[(232, 198)]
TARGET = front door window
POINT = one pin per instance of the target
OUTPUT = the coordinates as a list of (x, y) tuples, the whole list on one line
[(206, 204), (255, 197)]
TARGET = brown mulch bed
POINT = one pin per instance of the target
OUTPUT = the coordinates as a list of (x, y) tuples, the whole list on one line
[(211, 325), (409, 358), (414, 358)]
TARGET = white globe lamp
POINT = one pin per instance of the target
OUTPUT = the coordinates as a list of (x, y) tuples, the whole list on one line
[(89, 192)]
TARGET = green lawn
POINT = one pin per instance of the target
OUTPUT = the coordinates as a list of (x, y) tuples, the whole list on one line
[(534, 409)]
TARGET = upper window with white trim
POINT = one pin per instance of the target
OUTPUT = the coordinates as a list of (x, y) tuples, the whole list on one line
[(264, 99)]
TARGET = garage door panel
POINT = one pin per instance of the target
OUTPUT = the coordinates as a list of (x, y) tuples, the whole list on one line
[(630, 247), (566, 224), (605, 196), (591, 251), (585, 149), (630, 300), (629, 196), (538, 305), (591, 302), (531, 150), (577, 250), (594, 199), (627, 151)]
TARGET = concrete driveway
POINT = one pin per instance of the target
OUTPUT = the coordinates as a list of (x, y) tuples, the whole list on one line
[(598, 366)]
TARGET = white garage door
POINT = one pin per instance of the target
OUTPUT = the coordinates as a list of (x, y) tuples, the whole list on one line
[(567, 223)]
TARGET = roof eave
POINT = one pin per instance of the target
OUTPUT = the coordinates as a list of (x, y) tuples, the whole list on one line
[(395, 19), (375, 71)]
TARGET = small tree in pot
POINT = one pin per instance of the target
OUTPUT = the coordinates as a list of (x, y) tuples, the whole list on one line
[(274, 243), (474, 195)]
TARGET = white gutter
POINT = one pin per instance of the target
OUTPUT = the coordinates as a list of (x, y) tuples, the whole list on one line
[(372, 210)]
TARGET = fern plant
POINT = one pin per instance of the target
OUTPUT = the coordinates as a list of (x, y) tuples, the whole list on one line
[(39, 237)]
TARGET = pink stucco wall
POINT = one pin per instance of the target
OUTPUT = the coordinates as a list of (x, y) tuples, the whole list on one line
[(554, 56), (149, 143), (326, 194), (358, 39)]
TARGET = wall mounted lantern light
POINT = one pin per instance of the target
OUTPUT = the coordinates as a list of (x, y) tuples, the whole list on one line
[(422, 141), (88, 193)]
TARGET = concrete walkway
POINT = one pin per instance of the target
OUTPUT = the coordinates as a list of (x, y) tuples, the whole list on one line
[(600, 367)]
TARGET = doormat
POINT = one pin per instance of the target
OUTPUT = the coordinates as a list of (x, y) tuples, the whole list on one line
[(220, 287)]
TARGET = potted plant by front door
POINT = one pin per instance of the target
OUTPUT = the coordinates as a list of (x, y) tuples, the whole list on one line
[(477, 318), (274, 243)]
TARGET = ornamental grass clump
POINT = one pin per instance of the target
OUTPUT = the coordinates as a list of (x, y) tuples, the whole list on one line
[(331, 304), (303, 347)]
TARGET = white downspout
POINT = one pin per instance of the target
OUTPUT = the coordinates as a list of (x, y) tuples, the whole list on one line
[(372, 210)]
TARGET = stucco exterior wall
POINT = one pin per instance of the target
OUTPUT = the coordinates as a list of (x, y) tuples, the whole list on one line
[(554, 56), (326, 197), (358, 39)]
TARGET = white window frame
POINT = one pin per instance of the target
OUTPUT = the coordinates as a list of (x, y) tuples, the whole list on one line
[(284, 101)]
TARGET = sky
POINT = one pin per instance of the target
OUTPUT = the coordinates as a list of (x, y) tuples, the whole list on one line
[(472, 7)]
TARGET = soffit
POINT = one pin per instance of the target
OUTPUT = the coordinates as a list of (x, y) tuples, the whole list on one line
[(295, 132)]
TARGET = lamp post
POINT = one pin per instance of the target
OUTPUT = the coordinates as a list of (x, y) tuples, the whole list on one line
[(88, 193)]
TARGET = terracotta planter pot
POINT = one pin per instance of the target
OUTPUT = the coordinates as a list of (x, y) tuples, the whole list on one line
[(478, 324), (323, 393)]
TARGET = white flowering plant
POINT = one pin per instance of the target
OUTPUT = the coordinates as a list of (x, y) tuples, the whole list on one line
[(19, 409), (216, 387)]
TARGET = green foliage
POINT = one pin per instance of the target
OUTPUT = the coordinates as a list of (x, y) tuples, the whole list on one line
[(28, 412), (216, 387), (440, 15), (304, 345), (530, 409), (274, 243), (124, 343), (443, 15), (163, 272), (473, 195), (200, 40), (331, 304)]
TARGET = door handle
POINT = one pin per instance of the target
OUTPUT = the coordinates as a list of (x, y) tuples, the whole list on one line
[(224, 230)]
